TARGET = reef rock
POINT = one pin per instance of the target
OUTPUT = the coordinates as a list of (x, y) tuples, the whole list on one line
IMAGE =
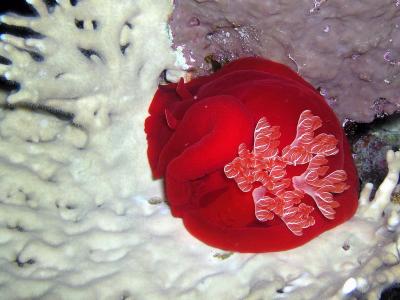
[(350, 52)]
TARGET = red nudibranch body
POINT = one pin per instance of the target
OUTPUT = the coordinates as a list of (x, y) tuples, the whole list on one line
[(253, 158)]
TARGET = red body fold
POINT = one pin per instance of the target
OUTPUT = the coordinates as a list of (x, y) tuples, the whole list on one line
[(195, 129)]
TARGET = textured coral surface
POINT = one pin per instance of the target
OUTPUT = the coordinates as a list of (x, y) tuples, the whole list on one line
[(348, 50), (370, 146)]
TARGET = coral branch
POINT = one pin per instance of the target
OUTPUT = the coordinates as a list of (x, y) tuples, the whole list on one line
[(39, 6), (374, 209)]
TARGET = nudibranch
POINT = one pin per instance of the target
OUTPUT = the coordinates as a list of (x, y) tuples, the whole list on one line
[(253, 158)]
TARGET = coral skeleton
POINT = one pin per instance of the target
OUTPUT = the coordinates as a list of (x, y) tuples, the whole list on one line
[(373, 209)]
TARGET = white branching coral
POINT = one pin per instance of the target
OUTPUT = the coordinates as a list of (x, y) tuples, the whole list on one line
[(382, 216), (72, 145), (86, 59), (95, 62), (374, 209)]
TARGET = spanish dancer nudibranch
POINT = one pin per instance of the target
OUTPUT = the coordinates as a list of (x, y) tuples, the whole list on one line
[(254, 160)]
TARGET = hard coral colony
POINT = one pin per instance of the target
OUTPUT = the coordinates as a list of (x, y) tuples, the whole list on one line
[(298, 180)]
